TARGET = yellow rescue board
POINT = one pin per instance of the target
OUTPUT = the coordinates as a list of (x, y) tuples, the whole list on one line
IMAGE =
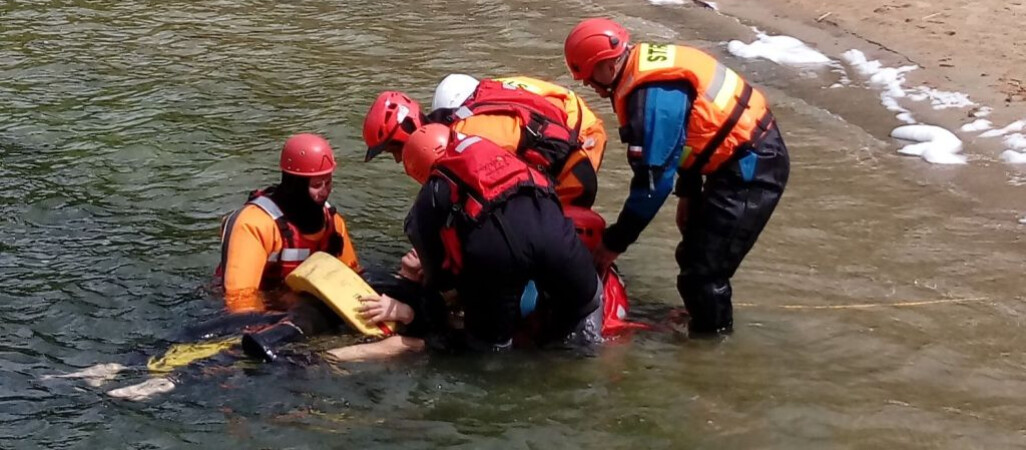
[(328, 279)]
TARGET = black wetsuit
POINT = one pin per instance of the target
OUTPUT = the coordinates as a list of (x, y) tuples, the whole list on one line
[(525, 238)]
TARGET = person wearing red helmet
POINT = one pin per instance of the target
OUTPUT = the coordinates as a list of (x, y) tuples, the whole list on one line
[(522, 121), (484, 223), (280, 226), (389, 122), (685, 115)]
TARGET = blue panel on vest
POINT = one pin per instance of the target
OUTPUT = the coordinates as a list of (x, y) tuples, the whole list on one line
[(748, 166)]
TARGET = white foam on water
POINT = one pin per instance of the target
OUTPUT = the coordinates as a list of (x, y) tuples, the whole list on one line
[(889, 101), (844, 80), (1011, 128), (977, 125), (940, 99), (888, 79), (1014, 157), (1015, 151), (1015, 141), (934, 144), (906, 117), (784, 50), (983, 111), (666, 2)]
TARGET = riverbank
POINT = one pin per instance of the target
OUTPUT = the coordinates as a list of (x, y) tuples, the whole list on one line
[(960, 46)]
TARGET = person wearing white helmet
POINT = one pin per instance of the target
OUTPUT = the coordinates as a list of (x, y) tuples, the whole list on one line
[(453, 90), (576, 175)]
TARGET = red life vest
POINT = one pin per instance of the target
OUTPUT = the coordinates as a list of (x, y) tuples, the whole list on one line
[(615, 306), (589, 225), (295, 247), (481, 176), (545, 140)]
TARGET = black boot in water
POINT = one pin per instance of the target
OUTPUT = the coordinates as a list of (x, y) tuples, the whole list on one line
[(263, 344)]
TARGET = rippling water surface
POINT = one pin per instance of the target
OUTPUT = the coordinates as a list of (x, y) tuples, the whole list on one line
[(127, 128)]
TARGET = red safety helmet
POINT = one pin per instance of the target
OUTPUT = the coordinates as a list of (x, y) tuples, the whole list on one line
[(307, 155), (423, 148), (591, 41), (390, 120)]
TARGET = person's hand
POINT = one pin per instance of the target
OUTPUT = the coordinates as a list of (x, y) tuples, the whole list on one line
[(604, 258), (410, 268), (382, 308)]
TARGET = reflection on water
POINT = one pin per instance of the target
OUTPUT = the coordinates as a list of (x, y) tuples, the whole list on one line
[(127, 128)]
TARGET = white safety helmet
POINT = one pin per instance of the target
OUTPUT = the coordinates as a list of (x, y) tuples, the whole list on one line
[(453, 90)]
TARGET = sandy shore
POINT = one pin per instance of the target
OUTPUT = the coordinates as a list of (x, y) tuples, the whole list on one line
[(976, 47)]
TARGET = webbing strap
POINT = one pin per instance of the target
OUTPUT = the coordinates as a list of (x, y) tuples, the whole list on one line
[(735, 115)]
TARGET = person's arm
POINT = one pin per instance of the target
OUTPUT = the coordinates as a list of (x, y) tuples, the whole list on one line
[(389, 347), (423, 227), (428, 309), (249, 244), (375, 309), (409, 267), (659, 114)]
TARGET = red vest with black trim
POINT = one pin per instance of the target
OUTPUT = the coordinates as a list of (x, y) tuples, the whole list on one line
[(481, 177), (545, 140), (295, 247)]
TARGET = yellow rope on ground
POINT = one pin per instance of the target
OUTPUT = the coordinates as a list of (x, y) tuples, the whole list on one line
[(870, 305)]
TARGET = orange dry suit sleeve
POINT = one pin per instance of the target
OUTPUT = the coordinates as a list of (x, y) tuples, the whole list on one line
[(253, 237)]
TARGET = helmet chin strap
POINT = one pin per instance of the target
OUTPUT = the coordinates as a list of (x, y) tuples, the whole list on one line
[(618, 66), (606, 90)]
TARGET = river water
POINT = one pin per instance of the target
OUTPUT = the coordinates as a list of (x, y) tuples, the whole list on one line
[(881, 308)]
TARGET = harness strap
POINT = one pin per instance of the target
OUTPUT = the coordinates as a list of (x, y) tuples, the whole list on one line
[(764, 124), (511, 240), (721, 135), (547, 146), (580, 119), (453, 260), (278, 216)]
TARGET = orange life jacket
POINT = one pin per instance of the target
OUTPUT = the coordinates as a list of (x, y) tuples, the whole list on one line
[(559, 96), (481, 176), (545, 140), (726, 112), (295, 247)]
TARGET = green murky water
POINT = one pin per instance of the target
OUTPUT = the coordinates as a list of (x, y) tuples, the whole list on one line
[(128, 127)]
